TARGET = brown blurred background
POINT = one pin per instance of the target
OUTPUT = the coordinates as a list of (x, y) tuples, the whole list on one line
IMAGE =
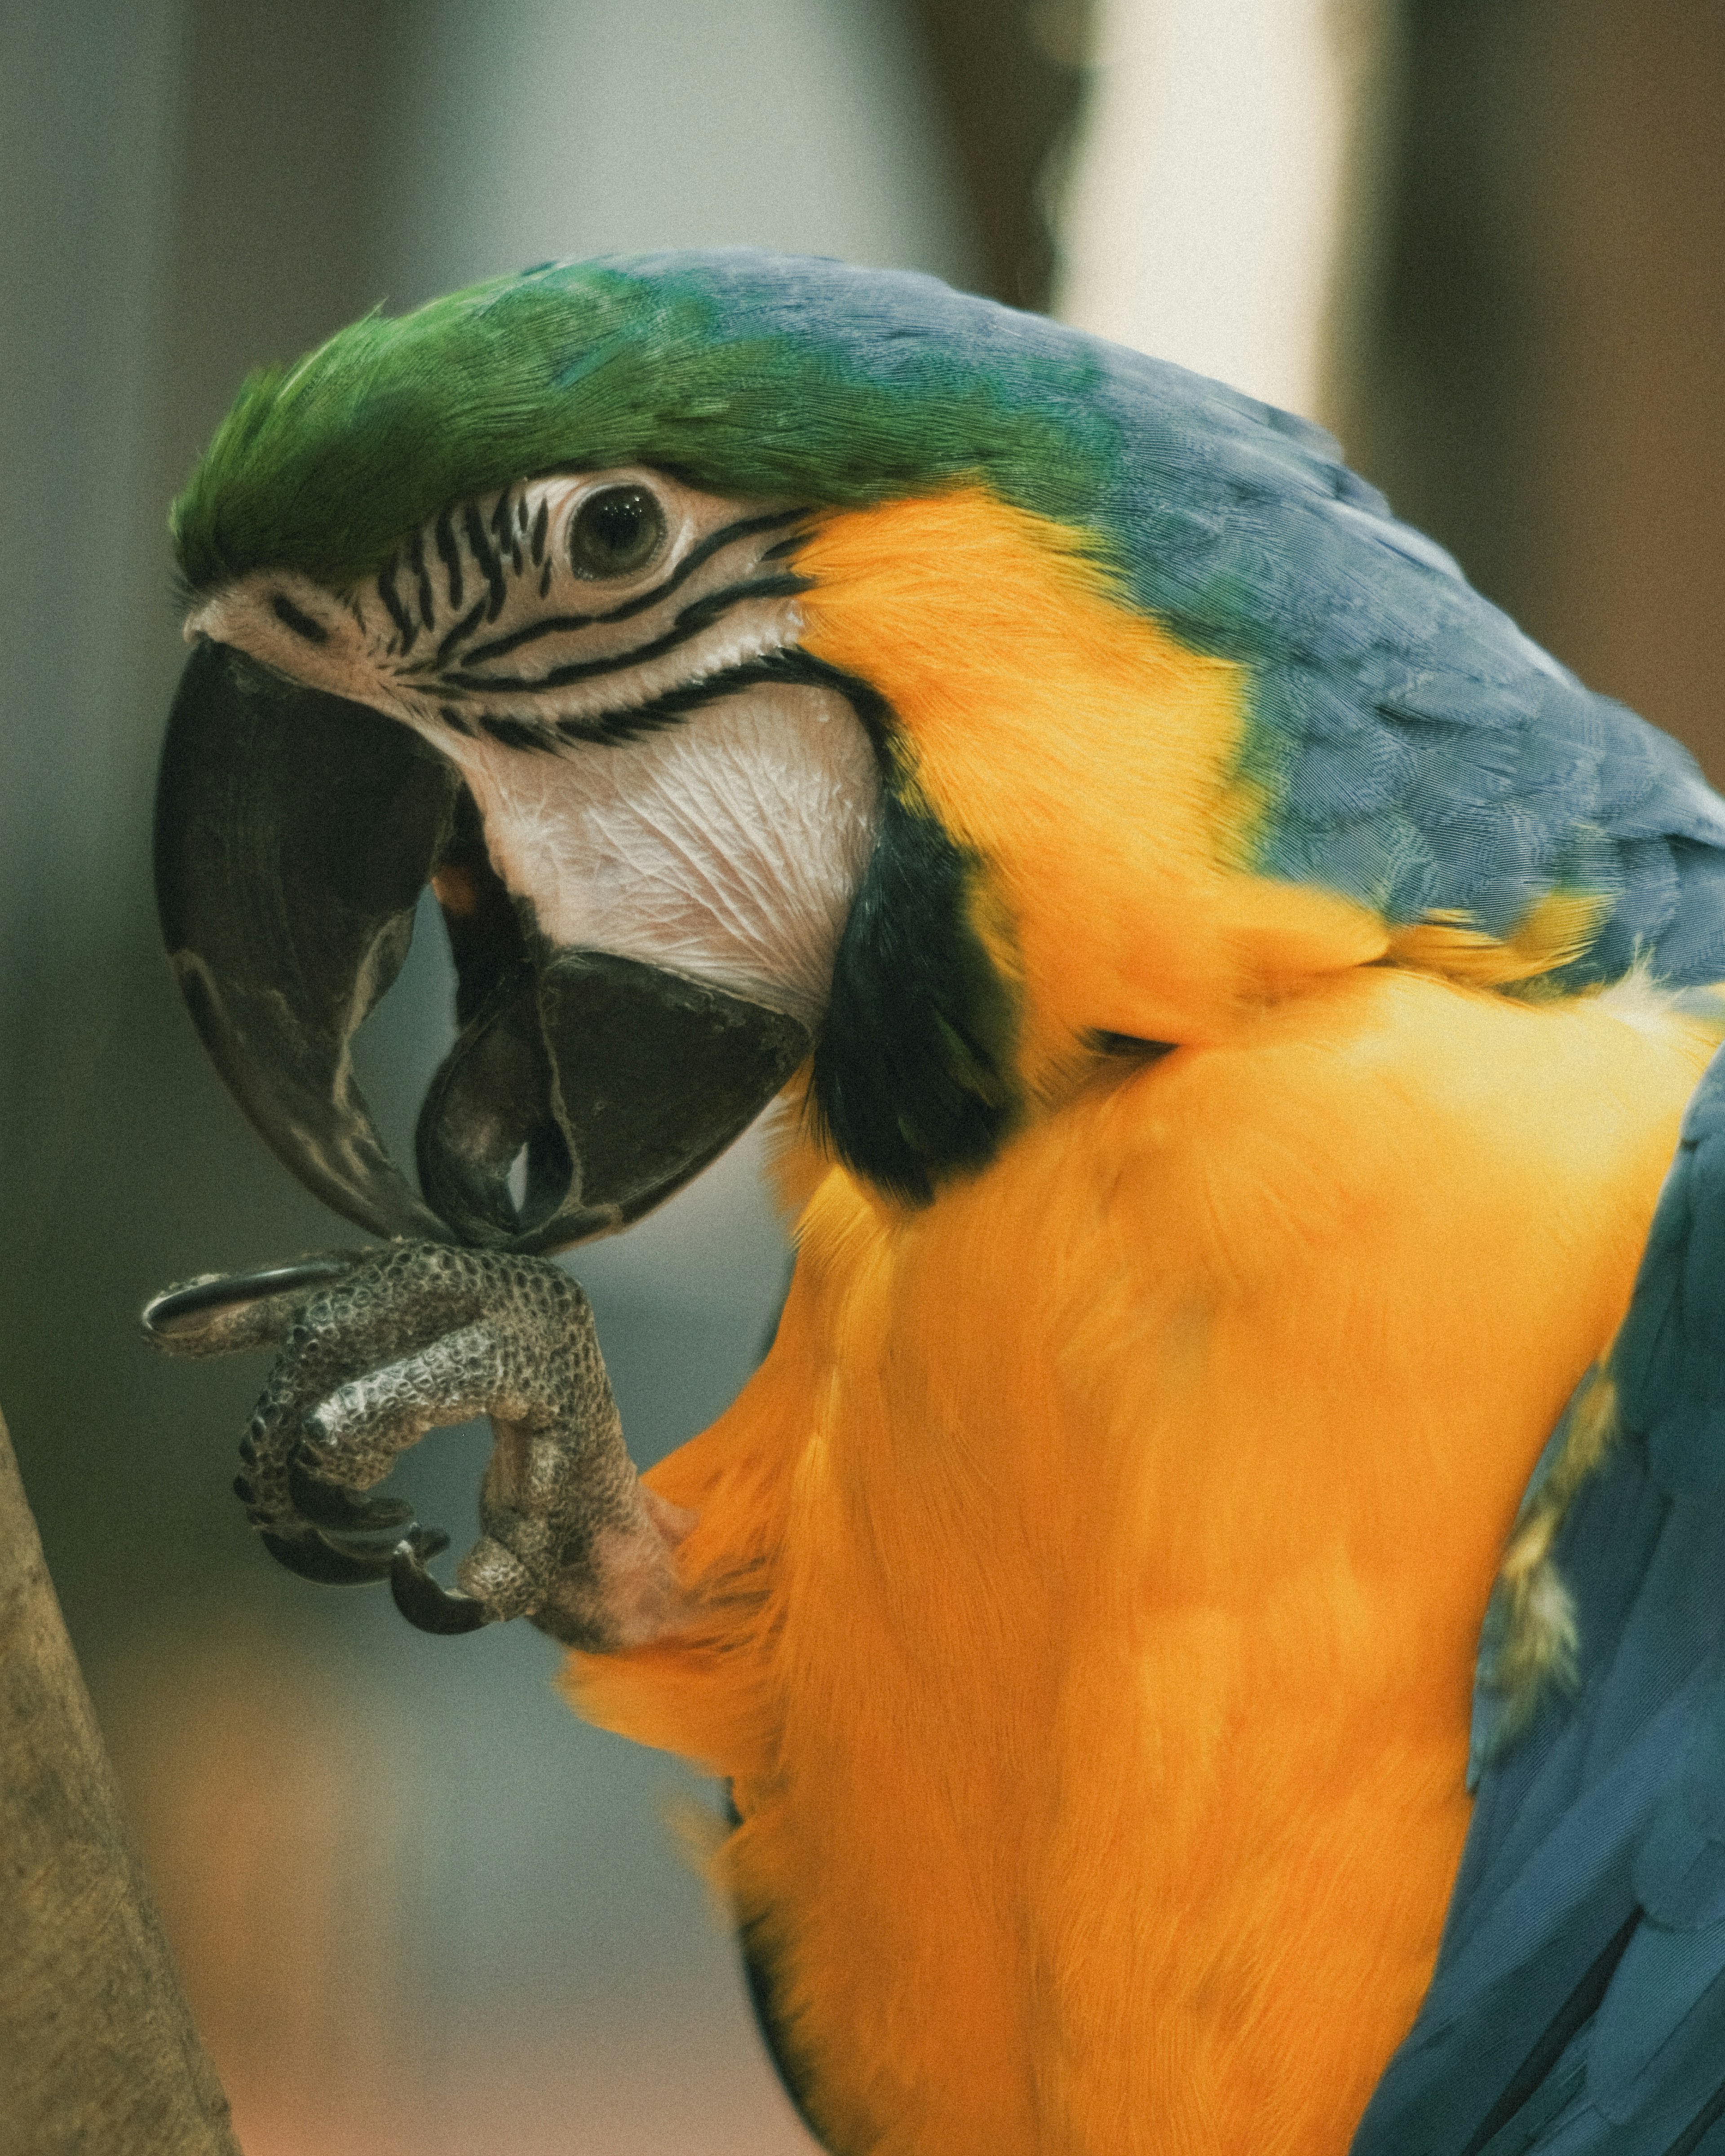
[(418, 1906)]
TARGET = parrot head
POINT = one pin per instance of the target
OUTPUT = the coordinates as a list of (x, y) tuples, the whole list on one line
[(573, 706), (769, 666)]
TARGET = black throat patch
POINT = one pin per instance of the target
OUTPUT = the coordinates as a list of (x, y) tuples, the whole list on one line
[(914, 1074)]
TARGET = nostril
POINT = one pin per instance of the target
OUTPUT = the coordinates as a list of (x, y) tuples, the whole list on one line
[(517, 1180)]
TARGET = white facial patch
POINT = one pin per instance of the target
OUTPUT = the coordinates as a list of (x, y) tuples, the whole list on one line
[(726, 847), (644, 779)]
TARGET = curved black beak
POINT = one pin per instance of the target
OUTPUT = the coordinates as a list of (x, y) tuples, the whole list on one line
[(294, 834), (295, 831)]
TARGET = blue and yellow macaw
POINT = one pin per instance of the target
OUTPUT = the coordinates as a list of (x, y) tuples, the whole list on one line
[(1212, 1609)]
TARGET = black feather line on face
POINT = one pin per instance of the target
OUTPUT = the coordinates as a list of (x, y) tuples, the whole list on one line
[(489, 567), (421, 577), (558, 624), (449, 554), (469, 621), (629, 723), (406, 627), (296, 621), (699, 615)]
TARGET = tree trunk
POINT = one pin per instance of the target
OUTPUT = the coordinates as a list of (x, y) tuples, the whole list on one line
[(98, 2055)]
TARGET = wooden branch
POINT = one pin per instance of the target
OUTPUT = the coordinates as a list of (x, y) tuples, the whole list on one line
[(97, 2049)]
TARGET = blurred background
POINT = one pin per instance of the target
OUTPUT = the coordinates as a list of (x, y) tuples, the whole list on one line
[(418, 1906)]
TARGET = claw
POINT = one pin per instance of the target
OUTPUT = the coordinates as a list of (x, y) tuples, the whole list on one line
[(227, 1313), (314, 1556), (420, 1598), (326, 1506)]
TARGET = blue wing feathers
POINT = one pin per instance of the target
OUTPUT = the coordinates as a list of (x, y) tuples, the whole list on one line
[(1692, 948), (1680, 1872), (1593, 1884), (1670, 1356), (1339, 782), (1369, 650), (1243, 530)]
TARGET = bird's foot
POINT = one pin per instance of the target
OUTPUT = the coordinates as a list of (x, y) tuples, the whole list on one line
[(377, 1346)]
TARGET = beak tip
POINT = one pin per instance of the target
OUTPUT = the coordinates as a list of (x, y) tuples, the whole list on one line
[(294, 833)]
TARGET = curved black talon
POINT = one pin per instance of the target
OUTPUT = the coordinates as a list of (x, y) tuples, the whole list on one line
[(420, 1598), (183, 1309), (314, 1556), (327, 1505)]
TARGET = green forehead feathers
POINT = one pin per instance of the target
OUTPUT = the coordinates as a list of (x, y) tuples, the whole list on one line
[(823, 384)]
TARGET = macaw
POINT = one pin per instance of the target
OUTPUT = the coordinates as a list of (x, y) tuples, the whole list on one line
[(1212, 1609)]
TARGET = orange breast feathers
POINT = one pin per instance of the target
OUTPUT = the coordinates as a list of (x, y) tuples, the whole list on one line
[(1095, 1566)]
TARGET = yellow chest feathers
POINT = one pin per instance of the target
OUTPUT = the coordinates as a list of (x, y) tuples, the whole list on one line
[(1095, 1566)]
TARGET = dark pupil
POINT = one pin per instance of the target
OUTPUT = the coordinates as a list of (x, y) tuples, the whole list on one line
[(615, 531)]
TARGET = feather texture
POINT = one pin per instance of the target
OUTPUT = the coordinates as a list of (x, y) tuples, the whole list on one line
[(1218, 1170), (1599, 1839), (1411, 749), (1116, 1417)]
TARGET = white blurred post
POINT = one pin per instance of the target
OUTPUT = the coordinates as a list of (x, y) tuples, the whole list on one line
[(1215, 192)]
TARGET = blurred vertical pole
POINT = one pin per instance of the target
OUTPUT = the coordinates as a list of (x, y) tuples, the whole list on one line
[(186, 183), (1218, 209), (1545, 385), (1010, 76), (1626, 412), (89, 109), (97, 2049), (179, 178)]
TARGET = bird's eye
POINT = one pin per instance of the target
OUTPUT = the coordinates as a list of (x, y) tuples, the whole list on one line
[(616, 531)]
